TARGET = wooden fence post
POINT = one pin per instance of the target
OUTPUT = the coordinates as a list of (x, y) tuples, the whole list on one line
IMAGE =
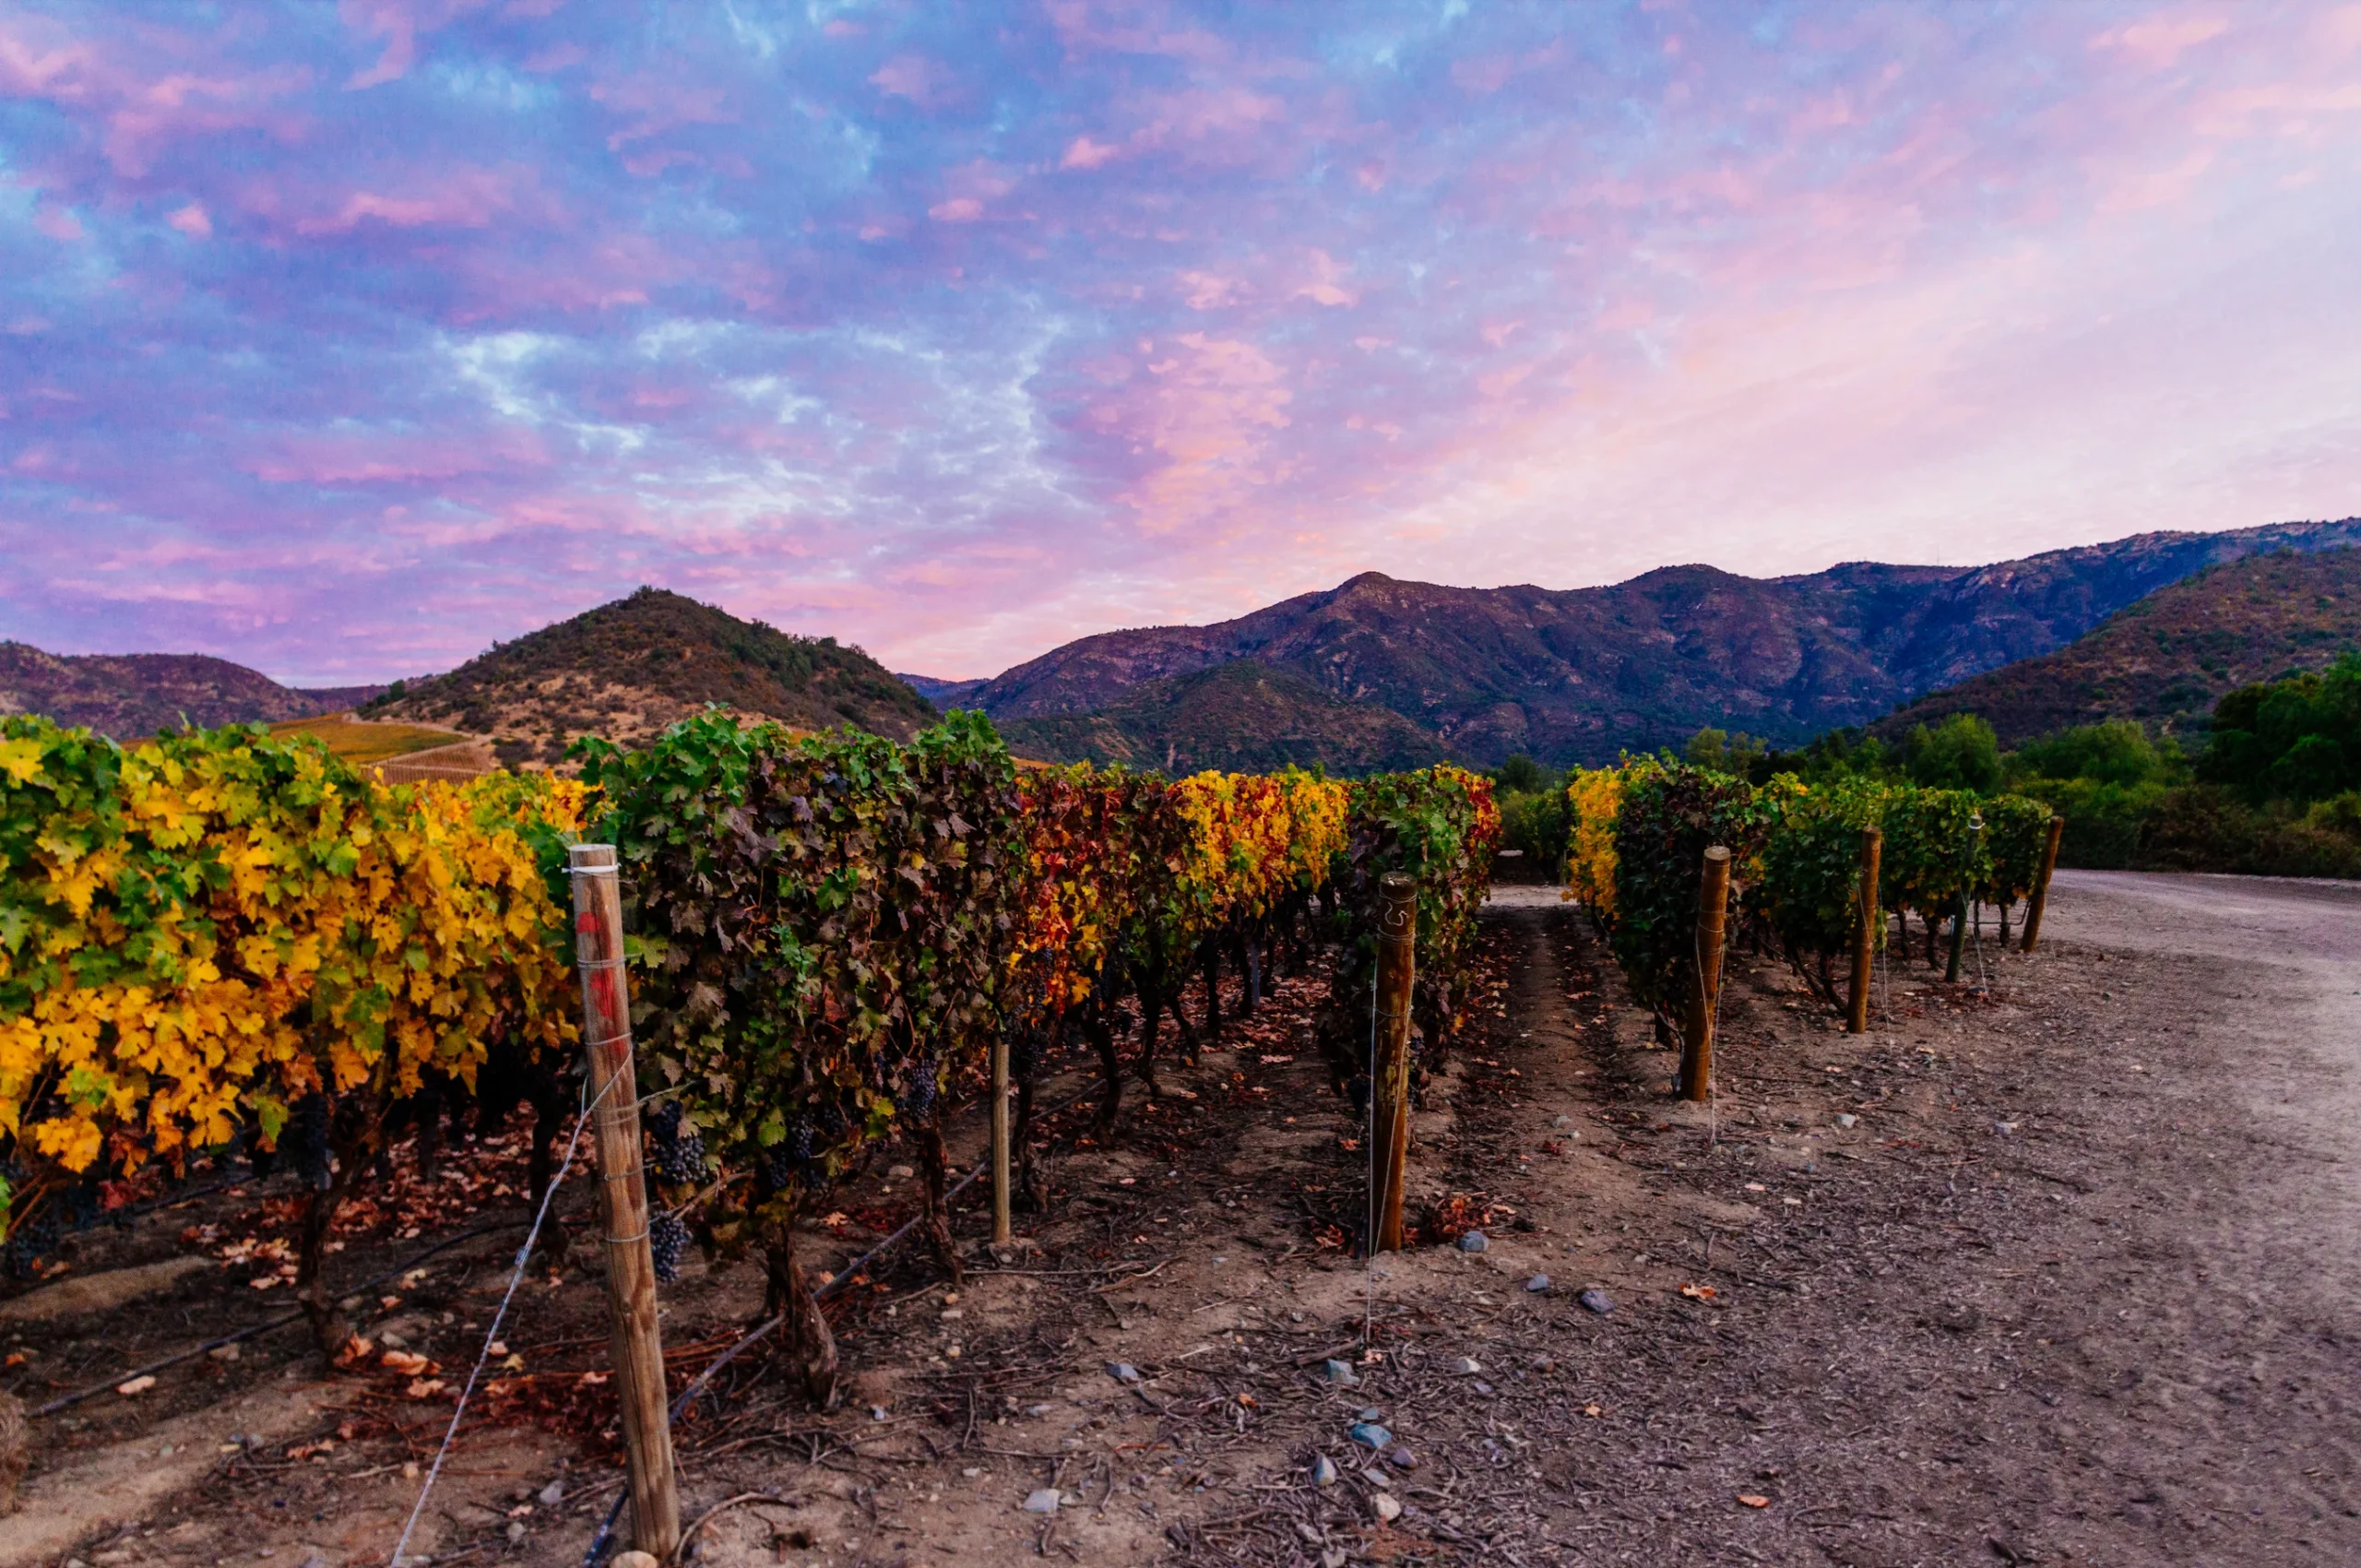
[(2041, 885), (1001, 1233), (1397, 939), (1865, 932), (1713, 905), (622, 1198)]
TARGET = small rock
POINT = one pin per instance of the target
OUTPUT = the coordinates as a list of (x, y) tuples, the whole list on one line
[(900, 1173), (1401, 1459), (1387, 1509), (1122, 1372), (1543, 1363), (1323, 1471), (1562, 1124), (135, 1387), (1482, 1388), (75, 1562), (877, 1412), (1371, 1414), (516, 1532), (2004, 1128), (1846, 1118), (1537, 1284), (633, 1559), (224, 1353), (1467, 1366), (1474, 1241), (1341, 1375), (115, 1558), (1368, 1434), (551, 1495), (320, 1559), (1595, 1300), (1043, 1502)]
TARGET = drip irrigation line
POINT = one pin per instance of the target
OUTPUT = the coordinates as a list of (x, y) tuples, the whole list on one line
[(67, 1400), (515, 1277)]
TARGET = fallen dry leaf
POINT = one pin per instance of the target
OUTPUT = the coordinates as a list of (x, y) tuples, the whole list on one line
[(408, 1362), (1593, 1411), (136, 1386), (1698, 1292), (1754, 1502)]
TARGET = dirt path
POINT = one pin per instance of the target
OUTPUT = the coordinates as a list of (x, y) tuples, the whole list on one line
[(2057, 1270)]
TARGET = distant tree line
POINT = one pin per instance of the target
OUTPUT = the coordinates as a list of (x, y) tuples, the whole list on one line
[(2273, 787)]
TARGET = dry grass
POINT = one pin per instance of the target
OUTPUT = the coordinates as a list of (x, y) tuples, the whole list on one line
[(361, 742)]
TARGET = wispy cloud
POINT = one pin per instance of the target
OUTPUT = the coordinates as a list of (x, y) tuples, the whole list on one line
[(344, 341)]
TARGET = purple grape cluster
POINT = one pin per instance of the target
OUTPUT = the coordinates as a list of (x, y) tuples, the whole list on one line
[(680, 1144), (668, 1239)]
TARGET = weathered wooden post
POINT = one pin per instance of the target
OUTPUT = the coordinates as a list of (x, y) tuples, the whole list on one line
[(1001, 1233), (1864, 932), (622, 1198), (1398, 948), (2041, 885), (1959, 911), (1713, 907)]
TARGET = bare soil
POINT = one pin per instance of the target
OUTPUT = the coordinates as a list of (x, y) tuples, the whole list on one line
[(2072, 1284)]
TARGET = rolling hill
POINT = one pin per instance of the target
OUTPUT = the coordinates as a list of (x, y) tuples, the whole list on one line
[(2165, 660), (1575, 675), (626, 670), (1242, 717), (131, 695)]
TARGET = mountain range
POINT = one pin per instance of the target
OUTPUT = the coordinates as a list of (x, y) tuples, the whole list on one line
[(128, 695), (1579, 674), (1379, 672), (2165, 660)]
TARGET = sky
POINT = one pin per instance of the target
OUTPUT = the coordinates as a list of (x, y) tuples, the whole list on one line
[(343, 339)]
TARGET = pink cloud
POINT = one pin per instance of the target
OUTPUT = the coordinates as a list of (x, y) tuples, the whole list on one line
[(959, 209), (463, 198), (654, 102), (192, 221), (1205, 290), (914, 76), (1206, 413), (1325, 287), (376, 458), (2160, 40), (1083, 153), (58, 223), (399, 23)]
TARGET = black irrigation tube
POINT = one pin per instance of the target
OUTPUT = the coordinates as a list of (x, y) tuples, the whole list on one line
[(65, 1400)]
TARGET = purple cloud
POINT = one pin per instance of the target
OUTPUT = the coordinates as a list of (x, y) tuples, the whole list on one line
[(343, 342)]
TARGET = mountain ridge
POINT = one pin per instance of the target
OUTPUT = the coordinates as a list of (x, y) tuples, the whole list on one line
[(2166, 659), (128, 697), (1579, 674), (626, 669)]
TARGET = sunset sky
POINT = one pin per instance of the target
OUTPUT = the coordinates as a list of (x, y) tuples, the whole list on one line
[(343, 339)]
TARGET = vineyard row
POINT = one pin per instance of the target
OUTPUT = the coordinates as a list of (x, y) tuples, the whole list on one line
[(220, 940)]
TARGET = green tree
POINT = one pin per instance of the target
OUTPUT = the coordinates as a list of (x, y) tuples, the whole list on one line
[(2118, 752), (1722, 752), (2298, 739), (1960, 752), (1521, 774)]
